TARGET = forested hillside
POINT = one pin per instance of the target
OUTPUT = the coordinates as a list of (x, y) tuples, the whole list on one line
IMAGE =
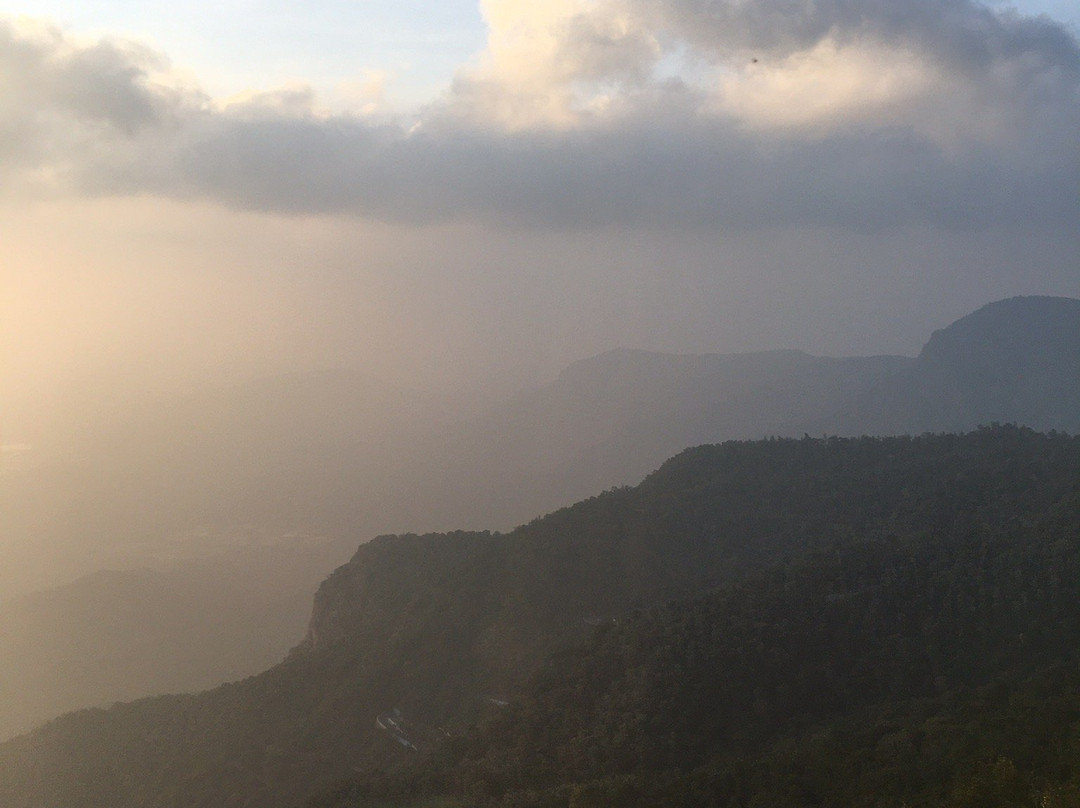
[(295, 460), (903, 670), (817, 590)]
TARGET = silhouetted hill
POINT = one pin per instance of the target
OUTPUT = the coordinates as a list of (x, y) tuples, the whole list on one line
[(983, 526)]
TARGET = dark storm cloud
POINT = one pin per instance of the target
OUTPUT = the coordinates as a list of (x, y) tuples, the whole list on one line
[(58, 95), (963, 33), (696, 174), (101, 120)]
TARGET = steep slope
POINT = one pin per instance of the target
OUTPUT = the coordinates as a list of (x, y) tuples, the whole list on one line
[(436, 625), (902, 670)]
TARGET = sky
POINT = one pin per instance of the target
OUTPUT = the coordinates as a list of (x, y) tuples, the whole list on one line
[(469, 197)]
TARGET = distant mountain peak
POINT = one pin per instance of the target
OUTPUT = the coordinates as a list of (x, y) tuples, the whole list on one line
[(1010, 327), (1013, 360)]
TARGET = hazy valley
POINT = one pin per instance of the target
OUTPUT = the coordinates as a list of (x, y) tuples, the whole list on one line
[(606, 421), (577, 404)]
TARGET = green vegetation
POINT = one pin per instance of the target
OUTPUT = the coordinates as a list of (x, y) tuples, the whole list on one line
[(786, 622)]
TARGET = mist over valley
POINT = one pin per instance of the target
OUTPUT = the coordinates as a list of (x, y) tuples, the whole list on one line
[(539, 405)]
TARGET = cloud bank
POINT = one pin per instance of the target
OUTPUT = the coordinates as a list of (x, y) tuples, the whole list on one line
[(721, 114)]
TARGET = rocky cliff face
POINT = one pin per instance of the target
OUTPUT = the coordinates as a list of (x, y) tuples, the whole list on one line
[(386, 582)]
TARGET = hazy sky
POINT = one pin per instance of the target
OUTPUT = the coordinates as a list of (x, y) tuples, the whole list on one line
[(447, 194)]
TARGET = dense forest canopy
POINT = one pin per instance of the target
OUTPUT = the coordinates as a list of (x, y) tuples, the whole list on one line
[(750, 612)]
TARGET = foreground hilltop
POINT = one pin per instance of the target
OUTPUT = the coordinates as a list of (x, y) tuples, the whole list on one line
[(434, 633)]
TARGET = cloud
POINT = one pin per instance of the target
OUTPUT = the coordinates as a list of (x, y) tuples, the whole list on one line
[(825, 87), (63, 102), (719, 114), (963, 33), (547, 63)]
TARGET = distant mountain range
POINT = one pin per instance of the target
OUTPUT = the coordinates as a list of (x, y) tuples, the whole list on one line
[(318, 453), (330, 454), (610, 419)]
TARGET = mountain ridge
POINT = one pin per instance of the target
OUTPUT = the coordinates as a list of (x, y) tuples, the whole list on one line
[(605, 421), (434, 625)]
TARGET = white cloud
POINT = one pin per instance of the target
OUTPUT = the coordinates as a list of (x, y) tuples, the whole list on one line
[(826, 86), (68, 104), (548, 64)]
